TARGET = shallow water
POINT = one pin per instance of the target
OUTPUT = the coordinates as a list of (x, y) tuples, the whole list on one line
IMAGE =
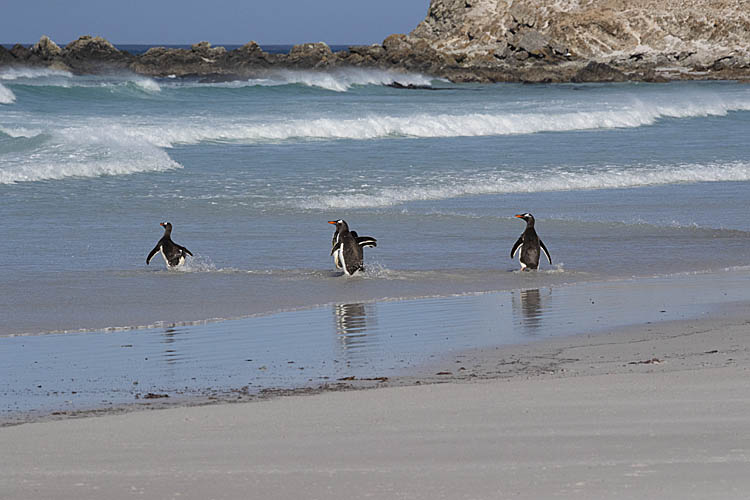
[(40, 374), (624, 180)]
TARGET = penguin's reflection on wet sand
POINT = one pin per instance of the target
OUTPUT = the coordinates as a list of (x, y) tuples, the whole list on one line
[(527, 304), (171, 335), (352, 324)]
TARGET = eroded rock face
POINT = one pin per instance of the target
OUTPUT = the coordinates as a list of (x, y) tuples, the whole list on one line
[(46, 49), (629, 33)]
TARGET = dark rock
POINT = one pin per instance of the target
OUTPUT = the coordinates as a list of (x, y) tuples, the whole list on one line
[(200, 60), (204, 50), (249, 57), (6, 57), (374, 50), (94, 54), (599, 72), (409, 86), (310, 55), (20, 52)]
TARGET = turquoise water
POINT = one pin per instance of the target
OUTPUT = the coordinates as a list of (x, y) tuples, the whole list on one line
[(624, 180)]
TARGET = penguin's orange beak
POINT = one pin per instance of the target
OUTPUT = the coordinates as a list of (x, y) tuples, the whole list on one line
[(332, 222), (519, 216), (162, 224)]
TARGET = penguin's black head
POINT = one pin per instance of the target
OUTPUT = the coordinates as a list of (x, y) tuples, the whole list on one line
[(166, 225), (340, 224), (527, 217)]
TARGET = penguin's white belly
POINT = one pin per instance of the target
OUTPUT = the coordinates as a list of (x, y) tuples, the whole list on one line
[(166, 261), (337, 258), (343, 262)]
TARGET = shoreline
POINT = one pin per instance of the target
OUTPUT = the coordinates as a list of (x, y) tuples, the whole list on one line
[(398, 53), (658, 407), (555, 322), (76, 321)]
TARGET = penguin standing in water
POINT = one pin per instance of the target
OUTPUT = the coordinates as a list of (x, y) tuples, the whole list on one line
[(174, 254), (529, 244), (346, 247)]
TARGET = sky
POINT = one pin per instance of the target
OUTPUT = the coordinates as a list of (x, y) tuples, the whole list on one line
[(221, 22)]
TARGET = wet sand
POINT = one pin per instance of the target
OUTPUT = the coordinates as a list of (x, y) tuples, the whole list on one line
[(659, 409), (334, 347)]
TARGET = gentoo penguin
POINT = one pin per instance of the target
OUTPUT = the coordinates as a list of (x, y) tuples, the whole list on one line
[(174, 254), (362, 241), (346, 247), (529, 244)]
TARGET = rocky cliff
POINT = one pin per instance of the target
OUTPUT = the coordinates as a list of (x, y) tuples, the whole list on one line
[(476, 40), (666, 36)]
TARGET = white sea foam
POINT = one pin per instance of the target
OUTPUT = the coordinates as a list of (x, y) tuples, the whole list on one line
[(6, 95), (88, 152), (547, 180), (343, 80), (147, 84), (31, 73), (20, 131), (426, 125), (339, 80)]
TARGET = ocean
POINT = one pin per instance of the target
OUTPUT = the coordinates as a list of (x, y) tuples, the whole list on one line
[(626, 181)]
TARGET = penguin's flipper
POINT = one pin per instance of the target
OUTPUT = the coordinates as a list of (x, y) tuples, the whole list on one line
[(546, 252), (335, 247), (366, 241), (354, 233), (186, 251), (152, 253), (517, 245)]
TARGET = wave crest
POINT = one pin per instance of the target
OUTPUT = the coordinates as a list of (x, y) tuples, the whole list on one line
[(548, 180), (426, 125), (341, 80), (88, 152), (10, 74), (6, 95)]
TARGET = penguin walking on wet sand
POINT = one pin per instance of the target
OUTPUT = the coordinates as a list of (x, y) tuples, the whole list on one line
[(346, 247), (174, 254), (529, 244)]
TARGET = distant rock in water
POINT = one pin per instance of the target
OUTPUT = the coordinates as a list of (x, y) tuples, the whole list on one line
[(95, 54), (474, 41)]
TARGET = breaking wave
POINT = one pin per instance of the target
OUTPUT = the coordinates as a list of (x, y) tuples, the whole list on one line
[(340, 80), (59, 154), (547, 180), (425, 125), (11, 74), (6, 95)]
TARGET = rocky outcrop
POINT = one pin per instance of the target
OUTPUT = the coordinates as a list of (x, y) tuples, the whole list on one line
[(679, 38), (477, 40), (200, 59), (94, 54), (6, 58), (311, 55)]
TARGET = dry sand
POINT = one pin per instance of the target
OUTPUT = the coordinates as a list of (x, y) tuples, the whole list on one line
[(658, 411)]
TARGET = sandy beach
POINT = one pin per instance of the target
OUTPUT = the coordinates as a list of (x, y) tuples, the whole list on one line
[(657, 410)]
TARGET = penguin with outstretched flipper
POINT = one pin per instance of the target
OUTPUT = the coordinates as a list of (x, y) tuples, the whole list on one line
[(530, 245), (174, 254), (346, 247)]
